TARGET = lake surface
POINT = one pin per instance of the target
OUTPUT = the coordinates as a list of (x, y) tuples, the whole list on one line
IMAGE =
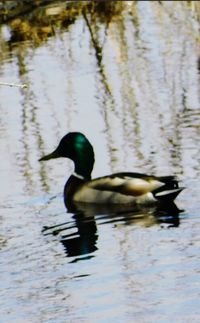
[(132, 87)]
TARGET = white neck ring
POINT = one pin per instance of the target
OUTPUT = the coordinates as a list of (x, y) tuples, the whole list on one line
[(78, 176)]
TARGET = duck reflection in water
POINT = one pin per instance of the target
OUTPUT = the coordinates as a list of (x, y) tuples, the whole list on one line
[(82, 242), (126, 196), (80, 235)]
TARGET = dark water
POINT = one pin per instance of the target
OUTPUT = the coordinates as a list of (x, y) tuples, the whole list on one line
[(139, 107)]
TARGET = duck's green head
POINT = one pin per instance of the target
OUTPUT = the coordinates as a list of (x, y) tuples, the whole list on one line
[(76, 147)]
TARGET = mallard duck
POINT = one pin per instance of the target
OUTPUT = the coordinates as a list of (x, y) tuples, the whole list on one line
[(118, 188)]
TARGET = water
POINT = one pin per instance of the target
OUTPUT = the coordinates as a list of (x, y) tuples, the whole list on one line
[(139, 107)]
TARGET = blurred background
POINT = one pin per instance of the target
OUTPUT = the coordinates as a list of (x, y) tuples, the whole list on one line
[(126, 74)]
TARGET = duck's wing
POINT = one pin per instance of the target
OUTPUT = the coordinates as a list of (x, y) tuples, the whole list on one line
[(128, 188), (134, 184)]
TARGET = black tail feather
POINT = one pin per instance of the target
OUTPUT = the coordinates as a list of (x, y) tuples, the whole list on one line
[(167, 194)]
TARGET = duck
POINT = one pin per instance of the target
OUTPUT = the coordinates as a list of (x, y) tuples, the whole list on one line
[(121, 188)]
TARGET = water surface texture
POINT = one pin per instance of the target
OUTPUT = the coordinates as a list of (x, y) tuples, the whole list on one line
[(130, 83)]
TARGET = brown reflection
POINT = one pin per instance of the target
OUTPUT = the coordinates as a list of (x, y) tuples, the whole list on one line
[(152, 91), (38, 20), (29, 124), (121, 118), (129, 109), (27, 115), (93, 28)]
